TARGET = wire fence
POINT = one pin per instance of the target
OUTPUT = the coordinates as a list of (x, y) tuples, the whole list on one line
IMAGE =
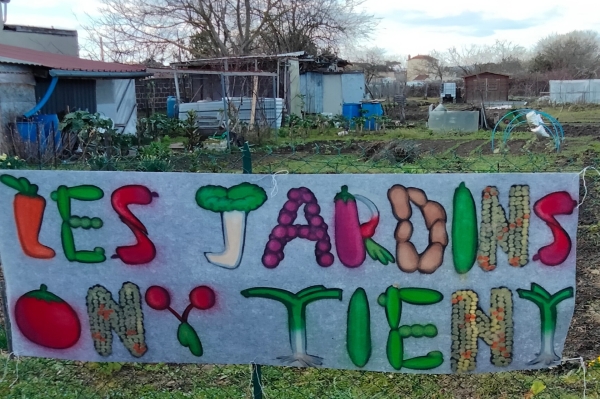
[(575, 378)]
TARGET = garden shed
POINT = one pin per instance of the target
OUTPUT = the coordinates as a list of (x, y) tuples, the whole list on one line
[(486, 87), (33, 82), (326, 92)]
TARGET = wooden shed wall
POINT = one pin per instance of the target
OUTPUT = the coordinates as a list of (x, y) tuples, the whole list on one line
[(487, 85)]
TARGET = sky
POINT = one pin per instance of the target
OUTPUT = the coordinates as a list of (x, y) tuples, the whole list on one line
[(404, 27)]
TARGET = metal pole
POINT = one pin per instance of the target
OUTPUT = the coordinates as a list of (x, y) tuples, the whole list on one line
[(278, 77), (256, 382), (176, 86), (246, 159), (225, 110), (257, 392), (39, 143)]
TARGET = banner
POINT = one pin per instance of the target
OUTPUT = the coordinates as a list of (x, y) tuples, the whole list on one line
[(437, 273)]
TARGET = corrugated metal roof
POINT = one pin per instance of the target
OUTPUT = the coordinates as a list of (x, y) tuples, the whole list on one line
[(201, 61), (7, 60), (18, 55)]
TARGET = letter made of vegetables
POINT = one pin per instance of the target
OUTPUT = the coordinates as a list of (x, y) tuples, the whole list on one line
[(28, 209), (202, 298), (434, 214), (47, 320), (470, 323), (125, 318), (391, 300), (286, 230), (144, 250), (233, 204), (63, 196), (547, 305), (353, 239), (547, 208), (464, 230), (512, 234), (296, 305)]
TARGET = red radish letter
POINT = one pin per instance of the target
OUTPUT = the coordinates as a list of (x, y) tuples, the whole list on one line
[(144, 251), (558, 203), (286, 231)]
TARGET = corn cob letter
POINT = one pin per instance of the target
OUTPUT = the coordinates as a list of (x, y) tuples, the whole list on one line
[(125, 318), (469, 323), (511, 234)]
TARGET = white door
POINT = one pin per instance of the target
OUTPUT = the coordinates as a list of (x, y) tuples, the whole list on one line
[(332, 94)]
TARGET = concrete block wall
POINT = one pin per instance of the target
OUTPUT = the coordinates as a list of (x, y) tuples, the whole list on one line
[(158, 90)]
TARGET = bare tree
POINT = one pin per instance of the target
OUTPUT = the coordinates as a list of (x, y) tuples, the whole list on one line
[(311, 25), (499, 57), (577, 53), (372, 61), (134, 30), (435, 65)]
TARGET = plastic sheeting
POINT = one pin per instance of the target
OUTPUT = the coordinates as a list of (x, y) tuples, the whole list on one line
[(575, 91), (116, 100)]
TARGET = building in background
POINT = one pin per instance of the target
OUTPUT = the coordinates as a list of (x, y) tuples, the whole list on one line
[(33, 81), (327, 92), (57, 41), (419, 66), (49, 40), (486, 87)]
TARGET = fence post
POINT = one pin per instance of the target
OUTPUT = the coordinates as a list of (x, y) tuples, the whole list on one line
[(256, 382), (246, 159), (256, 370), (7, 326)]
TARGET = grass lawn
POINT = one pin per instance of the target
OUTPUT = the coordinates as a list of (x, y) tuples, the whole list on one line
[(45, 378)]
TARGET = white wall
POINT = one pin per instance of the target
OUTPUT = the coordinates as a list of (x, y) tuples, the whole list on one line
[(116, 100)]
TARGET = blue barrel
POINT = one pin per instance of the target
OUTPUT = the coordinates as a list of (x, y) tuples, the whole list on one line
[(29, 131), (371, 110), (50, 125), (349, 111), (172, 107)]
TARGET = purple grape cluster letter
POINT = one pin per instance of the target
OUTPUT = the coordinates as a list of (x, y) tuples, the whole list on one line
[(286, 231)]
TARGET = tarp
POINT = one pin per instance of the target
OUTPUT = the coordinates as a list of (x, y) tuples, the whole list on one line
[(439, 273)]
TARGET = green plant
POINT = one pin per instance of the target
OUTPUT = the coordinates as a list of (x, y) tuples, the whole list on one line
[(11, 162), (194, 137), (382, 121), (99, 162), (93, 130), (159, 125), (152, 163), (157, 149), (359, 122), (122, 143)]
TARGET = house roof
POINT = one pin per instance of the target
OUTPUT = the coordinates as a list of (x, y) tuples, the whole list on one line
[(422, 57), (37, 29), (486, 72), (23, 56), (421, 77)]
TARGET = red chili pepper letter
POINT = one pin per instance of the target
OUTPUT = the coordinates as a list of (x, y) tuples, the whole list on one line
[(144, 251), (557, 203)]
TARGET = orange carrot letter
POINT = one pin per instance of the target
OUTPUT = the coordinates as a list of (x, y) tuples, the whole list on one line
[(29, 213)]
